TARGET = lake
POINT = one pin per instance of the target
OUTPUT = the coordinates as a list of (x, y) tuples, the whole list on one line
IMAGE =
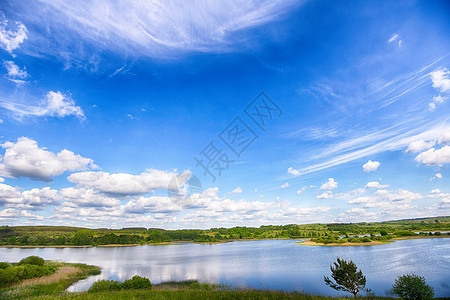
[(266, 264)]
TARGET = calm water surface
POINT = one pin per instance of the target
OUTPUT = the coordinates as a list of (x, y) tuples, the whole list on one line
[(268, 264)]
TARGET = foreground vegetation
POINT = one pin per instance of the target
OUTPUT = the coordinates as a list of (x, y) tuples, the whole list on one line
[(47, 279), (321, 233), (345, 277)]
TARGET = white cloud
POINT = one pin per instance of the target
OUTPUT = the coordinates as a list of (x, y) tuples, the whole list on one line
[(242, 206), (441, 80), (435, 191), (434, 157), (302, 190), (35, 199), (11, 36), (155, 204), (82, 197), (25, 159), (393, 38), (419, 145), (325, 195), (436, 100), (293, 171), (444, 137), (9, 195), (11, 214), (127, 184), (329, 185), (376, 184), (155, 28), (236, 191), (285, 185), (437, 176), (39, 198), (396, 37), (371, 166), (14, 71), (356, 210), (54, 105)]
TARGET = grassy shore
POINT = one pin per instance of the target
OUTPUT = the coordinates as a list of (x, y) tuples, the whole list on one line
[(52, 285), (372, 243), (50, 289)]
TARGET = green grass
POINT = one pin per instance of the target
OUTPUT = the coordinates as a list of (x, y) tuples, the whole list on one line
[(186, 294), (50, 289)]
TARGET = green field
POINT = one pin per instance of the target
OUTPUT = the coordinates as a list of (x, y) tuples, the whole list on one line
[(328, 233)]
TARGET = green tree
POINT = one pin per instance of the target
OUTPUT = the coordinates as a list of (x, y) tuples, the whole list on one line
[(412, 286), (346, 276), (32, 260)]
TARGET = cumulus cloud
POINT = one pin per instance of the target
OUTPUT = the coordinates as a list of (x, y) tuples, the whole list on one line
[(371, 166), (376, 184), (24, 158), (40, 198), (128, 184), (143, 205), (419, 145), (10, 214), (303, 189), (154, 28), (34, 199), (236, 191), (293, 171), (285, 185), (325, 195), (387, 200), (437, 176), (55, 105), (242, 206), (434, 156), (11, 35), (15, 74), (441, 80), (82, 197), (329, 185)]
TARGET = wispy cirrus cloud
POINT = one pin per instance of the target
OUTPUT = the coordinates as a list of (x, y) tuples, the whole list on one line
[(152, 28)]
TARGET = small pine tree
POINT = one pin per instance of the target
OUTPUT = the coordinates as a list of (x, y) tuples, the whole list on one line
[(347, 277)]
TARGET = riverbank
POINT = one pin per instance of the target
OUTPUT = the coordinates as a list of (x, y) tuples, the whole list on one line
[(54, 284), (372, 243), (133, 245)]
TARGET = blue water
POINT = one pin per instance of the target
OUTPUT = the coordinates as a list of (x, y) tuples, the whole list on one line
[(268, 264)]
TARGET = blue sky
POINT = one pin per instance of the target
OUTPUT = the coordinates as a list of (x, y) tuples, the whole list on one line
[(105, 108)]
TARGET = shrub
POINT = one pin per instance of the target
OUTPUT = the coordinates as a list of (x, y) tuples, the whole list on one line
[(137, 282), (4, 265), (105, 285), (32, 260), (412, 286), (405, 233), (195, 285)]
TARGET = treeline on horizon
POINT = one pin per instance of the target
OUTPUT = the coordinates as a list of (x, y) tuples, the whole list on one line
[(324, 233)]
